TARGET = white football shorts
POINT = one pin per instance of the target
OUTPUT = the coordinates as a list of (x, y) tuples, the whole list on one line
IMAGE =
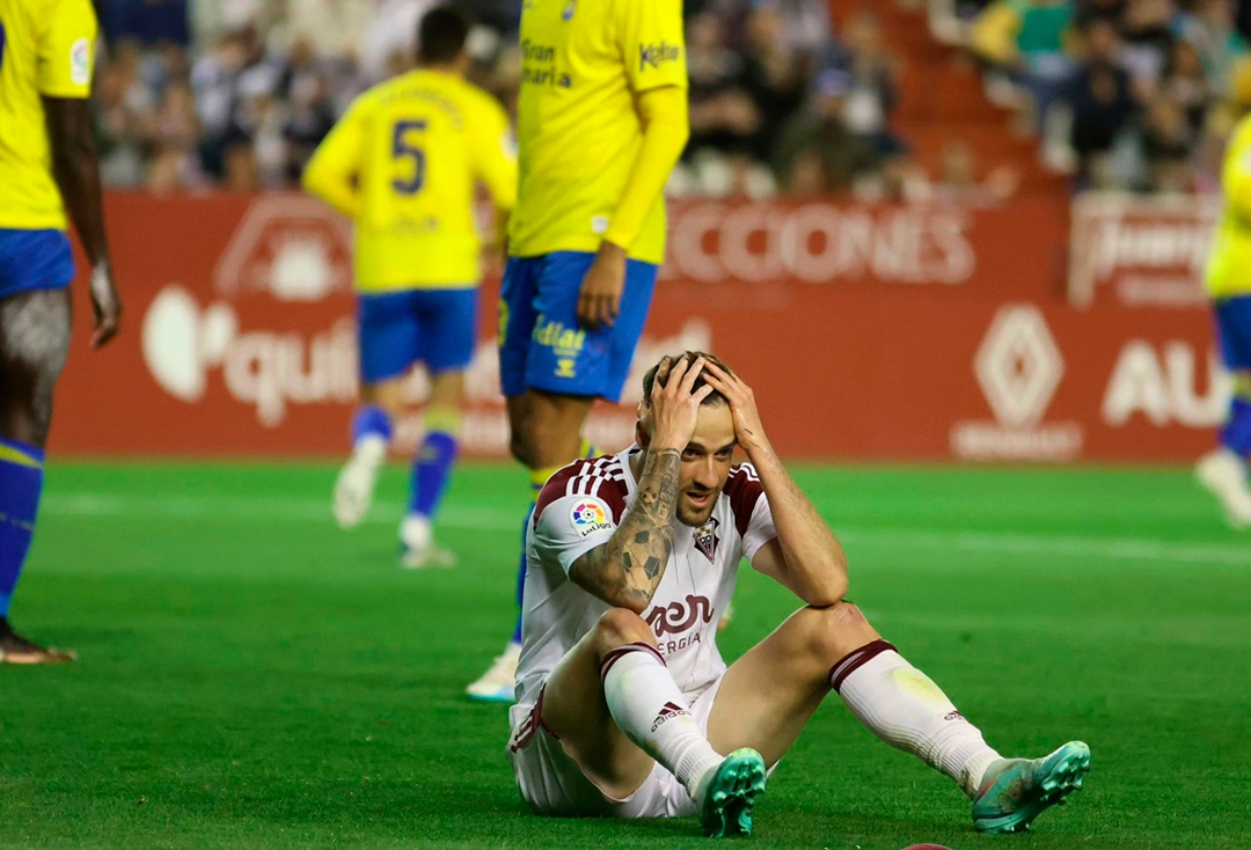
[(552, 783)]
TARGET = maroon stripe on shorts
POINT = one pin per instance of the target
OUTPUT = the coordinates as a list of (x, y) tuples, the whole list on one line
[(853, 661), (622, 651), (538, 713)]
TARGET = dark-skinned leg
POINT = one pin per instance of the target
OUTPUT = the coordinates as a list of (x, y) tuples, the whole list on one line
[(34, 342)]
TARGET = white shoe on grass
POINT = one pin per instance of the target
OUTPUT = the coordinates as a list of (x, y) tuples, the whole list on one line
[(417, 547), (354, 491), (498, 684), (1224, 475)]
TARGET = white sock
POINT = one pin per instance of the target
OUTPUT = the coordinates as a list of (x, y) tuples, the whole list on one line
[(650, 708), (903, 707), (371, 450)]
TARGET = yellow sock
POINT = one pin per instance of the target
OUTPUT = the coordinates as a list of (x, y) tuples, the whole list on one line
[(538, 477)]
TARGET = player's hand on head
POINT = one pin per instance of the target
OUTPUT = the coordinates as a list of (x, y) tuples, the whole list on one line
[(106, 304), (599, 299), (748, 429), (675, 405)]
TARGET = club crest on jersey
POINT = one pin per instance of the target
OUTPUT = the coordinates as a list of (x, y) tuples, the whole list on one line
[(570, 8), (706, 539), (589, 516)]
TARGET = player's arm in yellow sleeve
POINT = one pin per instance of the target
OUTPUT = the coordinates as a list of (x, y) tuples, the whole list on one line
[(64, 62), (1236, 180), (664, 114), (651, 40), (334, 170)]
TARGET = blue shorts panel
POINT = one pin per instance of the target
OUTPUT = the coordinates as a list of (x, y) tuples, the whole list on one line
[(34, 259), (437, 327), (542, 346), (1233, 329)]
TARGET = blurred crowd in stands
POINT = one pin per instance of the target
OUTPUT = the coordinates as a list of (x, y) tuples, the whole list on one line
[(1133, 95), (197, 94), (194, 94)]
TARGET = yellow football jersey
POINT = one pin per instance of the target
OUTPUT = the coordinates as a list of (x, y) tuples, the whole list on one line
[(47, 47), (417, 146), (1229, 269), (577, 129)]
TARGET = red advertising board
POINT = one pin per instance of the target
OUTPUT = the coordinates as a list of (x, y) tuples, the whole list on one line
[(1139, 251), (239, 340)]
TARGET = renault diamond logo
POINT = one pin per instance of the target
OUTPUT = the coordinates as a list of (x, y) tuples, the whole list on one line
[(1019, 366)]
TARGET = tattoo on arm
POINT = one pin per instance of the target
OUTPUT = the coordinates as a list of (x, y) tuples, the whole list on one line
[(627, 569)]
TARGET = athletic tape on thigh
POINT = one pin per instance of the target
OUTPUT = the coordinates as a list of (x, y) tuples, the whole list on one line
[(35, 334)]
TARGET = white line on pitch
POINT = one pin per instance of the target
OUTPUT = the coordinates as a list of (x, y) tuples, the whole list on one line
[(261, 509)]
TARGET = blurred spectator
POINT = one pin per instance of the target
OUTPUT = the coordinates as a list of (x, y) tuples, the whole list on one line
[(1187, 83), (817, 151), (1210, 28), (723, 115), (1026, 40), (119, 136), (957, 181), (776, 75), (330, 29), (1146, 29), (1100, 97), (874, 90), (1166, 145), (391, 36)]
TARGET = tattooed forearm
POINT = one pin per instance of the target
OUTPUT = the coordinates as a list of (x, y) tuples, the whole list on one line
[(627, 569)]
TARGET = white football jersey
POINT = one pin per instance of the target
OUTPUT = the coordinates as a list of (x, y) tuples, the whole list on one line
[(579, 509)]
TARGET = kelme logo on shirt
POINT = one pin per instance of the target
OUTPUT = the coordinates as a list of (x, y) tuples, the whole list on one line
[(655, 55), (80, 62), (589, 516)]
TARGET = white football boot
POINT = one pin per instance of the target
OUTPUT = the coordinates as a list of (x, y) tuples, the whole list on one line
[(498, 683), (1224, 475), (354, 491), (417, 547)]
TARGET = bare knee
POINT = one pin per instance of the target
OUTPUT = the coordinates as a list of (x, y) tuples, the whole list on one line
[(619, 627), (538, 442), (519, 447), (836, 630)]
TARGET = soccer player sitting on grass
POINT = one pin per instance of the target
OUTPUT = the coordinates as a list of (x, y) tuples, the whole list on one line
[(625, 706), (404, 163)]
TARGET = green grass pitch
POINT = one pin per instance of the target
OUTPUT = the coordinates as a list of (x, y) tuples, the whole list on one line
[(251, 677)]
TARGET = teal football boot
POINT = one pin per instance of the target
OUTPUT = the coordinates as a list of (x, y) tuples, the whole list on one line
[(729, 795), (1015, 791)]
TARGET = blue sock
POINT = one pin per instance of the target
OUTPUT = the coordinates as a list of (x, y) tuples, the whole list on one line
[(21, 481), (521, 566), (538, 478), (1236, 434), (371, 421), (431, 470)]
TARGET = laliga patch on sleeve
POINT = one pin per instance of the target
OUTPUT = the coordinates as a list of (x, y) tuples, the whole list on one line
[(590, 515), (80, 62)]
